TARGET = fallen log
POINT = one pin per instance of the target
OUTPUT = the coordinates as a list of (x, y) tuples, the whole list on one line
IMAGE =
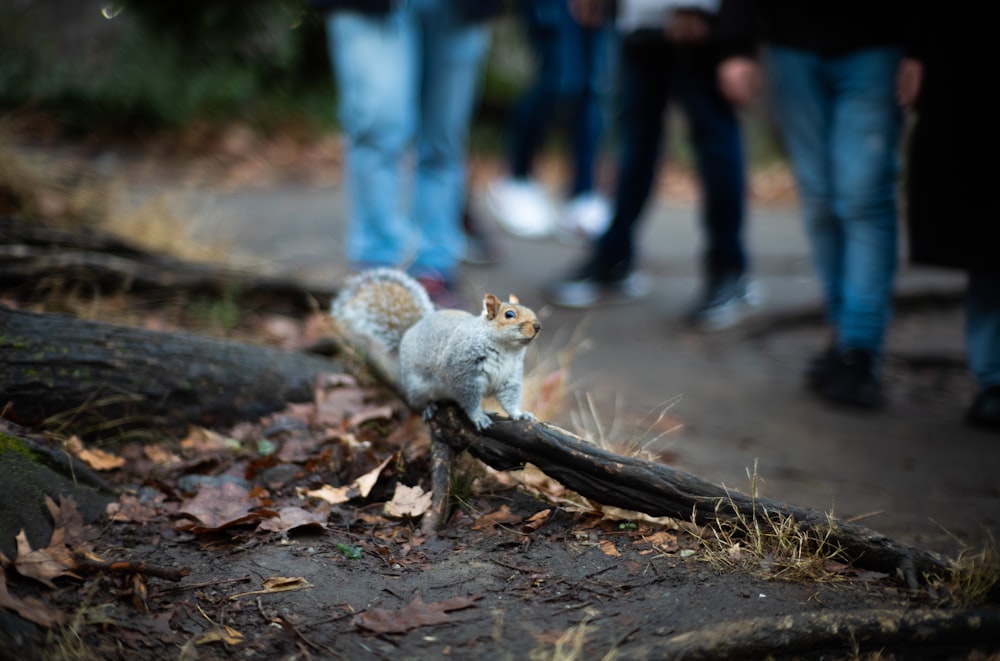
[(658, 490), (99, 379), (920, 633), (33, 254), (636, 484)]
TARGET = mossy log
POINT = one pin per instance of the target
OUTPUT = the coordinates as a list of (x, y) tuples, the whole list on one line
[(98, 379)]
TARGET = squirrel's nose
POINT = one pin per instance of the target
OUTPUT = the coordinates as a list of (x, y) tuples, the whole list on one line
[(537, 326)]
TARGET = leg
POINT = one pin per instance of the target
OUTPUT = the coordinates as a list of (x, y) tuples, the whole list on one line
[(453, 52), (802, 107), (644, 73), (865, 139), (718, 147), (376, 80), (982, 339)]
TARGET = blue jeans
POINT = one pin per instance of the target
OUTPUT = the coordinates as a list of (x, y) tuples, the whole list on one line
[(569, 77), (408, 78), (651, 76), (982, 327), (841, 126)]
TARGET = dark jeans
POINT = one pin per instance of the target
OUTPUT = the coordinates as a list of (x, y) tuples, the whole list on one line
[(568, 79), (652, 75)]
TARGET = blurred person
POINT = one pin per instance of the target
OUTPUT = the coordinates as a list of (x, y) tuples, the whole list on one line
[(832, 70), (407, 76), (667, 56), (954, 217), (569, 74)]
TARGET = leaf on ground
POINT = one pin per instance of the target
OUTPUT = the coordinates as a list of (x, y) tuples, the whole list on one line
[(221, 506), (536, 521), (337, 398), (662, 541), (277, 584), (43, 565), (30, 608), (66, 516), (203, 441), (360, 487), (408, 501), (292, 517), (500, 516), (100, 460), (413, 615), (370, 413), (223, 634), (609, 548), (132, 509)]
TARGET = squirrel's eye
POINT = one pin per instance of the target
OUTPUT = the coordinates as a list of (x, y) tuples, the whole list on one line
[(510, 314)]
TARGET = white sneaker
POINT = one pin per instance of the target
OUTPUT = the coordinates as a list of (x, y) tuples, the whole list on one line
[(586, 215), (522, 208)]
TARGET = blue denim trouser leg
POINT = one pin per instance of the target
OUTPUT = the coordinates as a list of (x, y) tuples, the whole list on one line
[(718, 150), (409, 77), (982, 327), (841, 127), (453, 52), (376, 69), (570, 61)]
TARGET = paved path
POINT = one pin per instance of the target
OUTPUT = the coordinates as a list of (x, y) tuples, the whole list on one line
[(729, 399)]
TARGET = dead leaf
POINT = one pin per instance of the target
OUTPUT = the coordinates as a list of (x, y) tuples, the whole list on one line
[(413, 615), (30, 608), (130, 509), (43, 565), (662, 541), (291, 517), (220, 506), (277, 584), (370, 413), (66, 516), (536, 521), (100, 460), (223, 634), (203, 441), (360, 487), (500, 516), (408, 501), (609, 548)]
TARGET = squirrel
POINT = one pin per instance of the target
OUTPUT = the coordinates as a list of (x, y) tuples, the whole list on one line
[(440, 354)]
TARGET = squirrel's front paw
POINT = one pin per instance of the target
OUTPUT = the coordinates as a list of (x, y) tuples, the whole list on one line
[(481, 420), (429, 411), (523, 415)]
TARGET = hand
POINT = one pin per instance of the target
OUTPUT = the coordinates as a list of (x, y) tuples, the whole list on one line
[(739, 80), (687, 26), (589, 13), (909, 78)]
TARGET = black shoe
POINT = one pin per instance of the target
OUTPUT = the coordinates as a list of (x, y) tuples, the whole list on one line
[(597, 283), (853, 379), (727, 300), (985, 409), (821, 368)]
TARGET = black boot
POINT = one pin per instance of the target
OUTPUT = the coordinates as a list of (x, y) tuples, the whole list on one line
[(853, 379)]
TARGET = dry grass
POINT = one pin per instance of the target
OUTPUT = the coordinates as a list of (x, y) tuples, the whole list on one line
[(769, 542), (973, 576)]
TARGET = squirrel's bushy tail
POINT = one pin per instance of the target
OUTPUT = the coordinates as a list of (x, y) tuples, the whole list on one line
[(380, 304)]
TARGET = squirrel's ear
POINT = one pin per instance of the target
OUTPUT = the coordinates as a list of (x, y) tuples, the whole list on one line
[(491, 306), (513, 300)]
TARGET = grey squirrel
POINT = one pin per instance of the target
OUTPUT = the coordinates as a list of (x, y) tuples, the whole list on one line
[(440, 354)]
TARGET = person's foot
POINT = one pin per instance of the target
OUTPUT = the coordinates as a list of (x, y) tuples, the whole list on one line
[(985, 409), (522, 208), (728, 299), (596, 283), (820, 368), (586, 215), (853, 379)]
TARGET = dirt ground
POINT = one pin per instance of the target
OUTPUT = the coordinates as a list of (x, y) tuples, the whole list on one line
[(271, 571)]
